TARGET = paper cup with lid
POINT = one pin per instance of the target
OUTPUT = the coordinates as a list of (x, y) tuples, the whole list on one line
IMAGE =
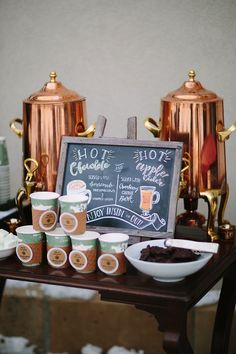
[(78, 186), (112, 260), (58, 248), (83, 257), (73, 213), (44, 210), (30, 245)]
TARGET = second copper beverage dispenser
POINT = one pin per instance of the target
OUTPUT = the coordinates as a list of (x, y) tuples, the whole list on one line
[(195, 116), (48, 114)]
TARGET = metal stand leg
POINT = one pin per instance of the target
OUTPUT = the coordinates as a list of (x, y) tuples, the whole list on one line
[(211, 198), (2, 286), (223, 203)]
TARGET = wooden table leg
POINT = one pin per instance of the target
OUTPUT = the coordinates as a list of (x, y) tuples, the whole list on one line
[(2, 286), (224, 314), (173, 323)]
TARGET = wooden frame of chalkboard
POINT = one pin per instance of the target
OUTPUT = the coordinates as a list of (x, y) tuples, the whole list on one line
[(134, 183)]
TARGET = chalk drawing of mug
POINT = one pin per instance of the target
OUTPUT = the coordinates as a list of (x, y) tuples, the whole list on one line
[(78, 186), (148, 197)]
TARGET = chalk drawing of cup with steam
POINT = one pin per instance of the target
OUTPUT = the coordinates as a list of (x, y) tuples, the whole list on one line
[(148, 197)]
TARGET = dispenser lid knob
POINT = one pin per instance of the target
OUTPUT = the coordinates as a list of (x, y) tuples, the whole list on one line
[(53, 76), (191, 75)]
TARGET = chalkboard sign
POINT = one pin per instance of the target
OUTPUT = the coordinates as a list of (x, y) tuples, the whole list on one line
[(133, 183)]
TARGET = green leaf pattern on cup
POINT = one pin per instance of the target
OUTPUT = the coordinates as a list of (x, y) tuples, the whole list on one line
[(83, 245), (30, 238), (58, 241), (44, 204), (110, 247), (73, 208)]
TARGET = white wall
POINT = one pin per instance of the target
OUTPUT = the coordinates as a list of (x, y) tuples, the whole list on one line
[(123, 55)]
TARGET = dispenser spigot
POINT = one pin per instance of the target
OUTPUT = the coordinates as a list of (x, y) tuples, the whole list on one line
[(23, 194)]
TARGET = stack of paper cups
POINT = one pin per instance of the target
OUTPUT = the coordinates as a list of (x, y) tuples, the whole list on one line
[(4, 172)]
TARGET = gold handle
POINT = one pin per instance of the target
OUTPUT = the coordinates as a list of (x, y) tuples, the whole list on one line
[(23, 198), (23, 194), (30, 169), (187, 165), (88, 133), (17, 131), (225, 134), (152, 126), (183, 183)]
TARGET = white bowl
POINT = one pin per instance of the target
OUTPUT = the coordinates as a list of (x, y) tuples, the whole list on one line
[(6, 252), (165, 272)]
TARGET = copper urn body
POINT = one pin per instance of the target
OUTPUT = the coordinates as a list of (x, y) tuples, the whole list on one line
[(195, 116), (48, 114)]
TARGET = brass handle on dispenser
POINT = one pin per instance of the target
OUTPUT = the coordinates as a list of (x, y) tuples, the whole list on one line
[(225, 134), (17, 131), (24, 192), (152, 126), (30, 169), (88, 133), (186, 161)]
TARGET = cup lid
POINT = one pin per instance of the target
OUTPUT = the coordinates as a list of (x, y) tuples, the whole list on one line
[(87, 235), (74, 198), (44, 195), (114, 237), (57, 232), (27, 229)]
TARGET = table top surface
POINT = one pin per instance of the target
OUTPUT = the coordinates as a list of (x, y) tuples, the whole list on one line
[(132, 287)]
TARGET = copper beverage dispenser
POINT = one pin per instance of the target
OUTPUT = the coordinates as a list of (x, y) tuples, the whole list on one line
[(194, 115), (48, 114)]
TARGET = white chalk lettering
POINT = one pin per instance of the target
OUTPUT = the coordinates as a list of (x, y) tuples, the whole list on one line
[(164, 155), (73, 169), (78, 168), (115, 211), (128, 187), (152, 173), (94, 153), (95, 214), (147, 169), (105, 154), (126, 199), (136, 221), (152, 155), (159, 155), (142, 155), (81, 155)]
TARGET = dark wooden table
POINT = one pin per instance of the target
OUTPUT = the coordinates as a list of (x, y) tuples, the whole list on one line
[(169, 303)]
